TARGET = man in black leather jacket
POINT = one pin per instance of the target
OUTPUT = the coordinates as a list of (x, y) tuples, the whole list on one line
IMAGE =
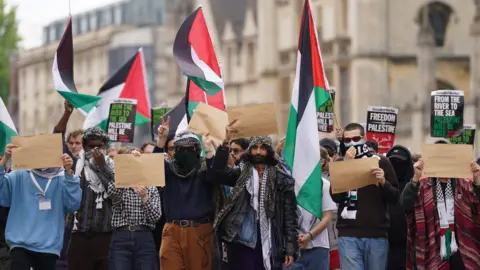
[(260, 218)]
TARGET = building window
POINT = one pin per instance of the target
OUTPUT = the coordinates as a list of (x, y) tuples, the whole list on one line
[(439, 16), (118, 14), (84, 24), (251, 59), (344, 95), (53, 33), (319, 21), (93, 21), (107, 17), (285, 90), (46, 38)]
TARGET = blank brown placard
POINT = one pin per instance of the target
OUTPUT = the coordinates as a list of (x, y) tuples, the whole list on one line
[(147, 170), (37, 152), (352, 174), (447, 160), (208, 119), (254, 119)]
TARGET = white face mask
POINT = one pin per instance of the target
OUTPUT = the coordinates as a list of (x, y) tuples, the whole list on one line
[(353, 144)]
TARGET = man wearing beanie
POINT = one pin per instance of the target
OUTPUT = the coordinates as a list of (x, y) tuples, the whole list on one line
[(187, 239), (259, 219)]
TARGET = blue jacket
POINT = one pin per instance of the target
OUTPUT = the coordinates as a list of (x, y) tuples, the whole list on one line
[(29, 227)]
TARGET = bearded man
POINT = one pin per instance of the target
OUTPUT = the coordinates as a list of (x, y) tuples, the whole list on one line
[(259, 219), (91, 225)]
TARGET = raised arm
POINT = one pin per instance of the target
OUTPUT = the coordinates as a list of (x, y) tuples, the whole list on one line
[(219, 172), (71, 191), (7, 178), (61, 126)]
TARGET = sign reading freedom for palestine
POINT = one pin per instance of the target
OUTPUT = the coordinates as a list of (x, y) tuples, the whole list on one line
[(121, 120), (447, 113), (325, 114), (381, 125)]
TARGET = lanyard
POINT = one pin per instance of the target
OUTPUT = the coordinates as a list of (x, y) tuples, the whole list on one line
[(38, 186)]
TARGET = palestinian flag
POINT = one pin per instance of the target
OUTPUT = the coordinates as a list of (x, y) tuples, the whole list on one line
[(195, 55), (310, 92), (178, 117), (7, 128), (129, 81), (63, 78)]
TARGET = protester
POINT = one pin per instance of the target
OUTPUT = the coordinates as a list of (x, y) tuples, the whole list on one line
[(170, 148), (147, 147), (43, 196), (91, 225), (135, 212), (187, 240), (237, 150), (260, 192), (4, 249), (314, 240), (442, 220), (363, 220), (331, 148), (373, 145), (401, 161)]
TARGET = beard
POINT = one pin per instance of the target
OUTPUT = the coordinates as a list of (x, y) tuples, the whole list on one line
[(258, 159)]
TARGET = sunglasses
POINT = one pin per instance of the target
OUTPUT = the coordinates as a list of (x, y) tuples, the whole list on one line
[(354, 139), (235, 150)]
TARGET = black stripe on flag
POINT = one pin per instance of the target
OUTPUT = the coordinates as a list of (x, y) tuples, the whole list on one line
[(120, 76), (65, 58), (176, 114), (182, 48), (306, 83)]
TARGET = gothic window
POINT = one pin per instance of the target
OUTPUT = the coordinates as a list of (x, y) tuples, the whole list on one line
[(344, 95), (251, 59), (439, 15)]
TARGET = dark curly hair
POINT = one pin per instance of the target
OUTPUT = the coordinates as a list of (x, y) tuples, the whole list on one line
[(93, 134)]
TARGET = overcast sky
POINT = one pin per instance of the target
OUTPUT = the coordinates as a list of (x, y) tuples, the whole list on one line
[(32, 15)]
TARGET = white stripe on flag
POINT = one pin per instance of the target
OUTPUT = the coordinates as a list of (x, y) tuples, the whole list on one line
[(100, 113), (210, 75), (57, 78)]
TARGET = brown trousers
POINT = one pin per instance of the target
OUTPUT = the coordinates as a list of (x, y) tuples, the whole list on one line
[(186, 248)]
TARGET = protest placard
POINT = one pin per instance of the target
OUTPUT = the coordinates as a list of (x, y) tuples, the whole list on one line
[(352, 174), (381, 125), (465, 136), (325, 114), (446, 113), (121, 120), (254, 119), (37, 152), (447, 160), (157, 114)]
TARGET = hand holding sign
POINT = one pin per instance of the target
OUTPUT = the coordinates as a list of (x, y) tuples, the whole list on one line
[(67, 163), (418, 168), (476, 172), (230, 131), (380, 175)]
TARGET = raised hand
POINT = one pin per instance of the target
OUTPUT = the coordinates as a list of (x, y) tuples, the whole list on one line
[(230, 131), (68, 106), (339, 134), (67, 163), (142, 193), (98, 157), (164, 128), (351, 153), (418, 169)]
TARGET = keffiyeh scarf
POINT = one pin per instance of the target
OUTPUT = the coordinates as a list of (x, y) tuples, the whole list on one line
[(446, 209), (256, 188)]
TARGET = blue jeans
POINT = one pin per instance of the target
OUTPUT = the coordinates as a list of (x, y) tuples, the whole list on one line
[(132, 251), (363, 253), (312, 259)]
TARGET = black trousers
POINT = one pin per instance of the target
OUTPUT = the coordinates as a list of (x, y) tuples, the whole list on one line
[(23, 259), (88, 251)]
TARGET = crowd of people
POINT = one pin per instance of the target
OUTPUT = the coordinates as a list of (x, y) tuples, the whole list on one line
[(233, 208)]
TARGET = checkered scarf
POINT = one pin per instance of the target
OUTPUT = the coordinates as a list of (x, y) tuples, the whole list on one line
[(446, 209)]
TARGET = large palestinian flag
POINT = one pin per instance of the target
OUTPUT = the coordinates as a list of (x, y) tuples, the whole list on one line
[(128, 82), (195, 55), (310, 92), (7, 128), (63, 78)]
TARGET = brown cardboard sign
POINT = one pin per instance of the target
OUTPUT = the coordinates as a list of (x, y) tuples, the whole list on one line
[(254, 119), (147, 170), (37, 152), (352, 174), (209, 120), (447, 160)]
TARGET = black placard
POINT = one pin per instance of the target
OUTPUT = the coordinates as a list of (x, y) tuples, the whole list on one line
[(325, 114), (121, 120), (466, 136), (446, 113), (157, 114)]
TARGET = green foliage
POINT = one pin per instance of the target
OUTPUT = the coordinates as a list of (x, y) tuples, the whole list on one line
[(9, 39)]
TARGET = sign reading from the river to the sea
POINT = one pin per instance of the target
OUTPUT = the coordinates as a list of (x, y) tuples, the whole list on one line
[(381, 125), (465, 136), (447, 113), (325, 114), (121, 120)]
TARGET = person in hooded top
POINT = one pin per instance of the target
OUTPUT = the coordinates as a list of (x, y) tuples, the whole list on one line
[(38, 201), (401, 160)]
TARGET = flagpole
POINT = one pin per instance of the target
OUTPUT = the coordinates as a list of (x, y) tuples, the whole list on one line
[(70, 7)]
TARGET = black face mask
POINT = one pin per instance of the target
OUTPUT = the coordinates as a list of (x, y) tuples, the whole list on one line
[(257, 159), (186, 160), (401, 168)]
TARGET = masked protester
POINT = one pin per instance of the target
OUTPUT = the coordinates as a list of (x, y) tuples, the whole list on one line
[(259, 219), (188, 199), (363, 218), (38, 201), (91, 225), (401, 160), (443, 221)]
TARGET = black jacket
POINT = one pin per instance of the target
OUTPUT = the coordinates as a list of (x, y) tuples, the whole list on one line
[(284, 220)]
